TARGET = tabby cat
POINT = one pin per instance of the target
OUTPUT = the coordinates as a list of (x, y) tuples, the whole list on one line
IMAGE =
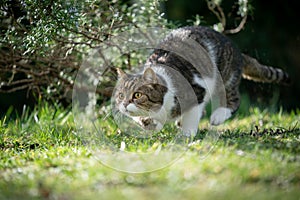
[(158, 94)]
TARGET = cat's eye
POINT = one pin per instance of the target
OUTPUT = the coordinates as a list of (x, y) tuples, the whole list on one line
[(121, 96), (137, 95)]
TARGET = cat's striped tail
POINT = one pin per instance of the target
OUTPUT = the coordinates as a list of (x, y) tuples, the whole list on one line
[(253, 70)]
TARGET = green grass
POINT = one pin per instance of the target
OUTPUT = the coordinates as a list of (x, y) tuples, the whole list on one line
[(257, 156)]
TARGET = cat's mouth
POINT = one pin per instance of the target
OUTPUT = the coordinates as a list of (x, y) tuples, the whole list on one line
[(135, 111), (132, 110)]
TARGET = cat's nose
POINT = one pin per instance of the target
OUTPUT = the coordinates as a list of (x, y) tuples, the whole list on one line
[(126, 103)]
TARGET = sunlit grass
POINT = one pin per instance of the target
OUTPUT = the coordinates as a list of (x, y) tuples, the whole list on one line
[(257, 155)]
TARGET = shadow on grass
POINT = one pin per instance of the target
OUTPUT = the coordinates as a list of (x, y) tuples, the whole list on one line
[(280, 139)]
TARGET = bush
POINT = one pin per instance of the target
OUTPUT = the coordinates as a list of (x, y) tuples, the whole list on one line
[(43, 43)]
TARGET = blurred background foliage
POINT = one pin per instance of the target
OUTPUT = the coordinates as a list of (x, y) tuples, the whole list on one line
[(271, 35), (43, 43)]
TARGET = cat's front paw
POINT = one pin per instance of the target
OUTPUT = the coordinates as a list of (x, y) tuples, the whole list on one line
[(150, 124)]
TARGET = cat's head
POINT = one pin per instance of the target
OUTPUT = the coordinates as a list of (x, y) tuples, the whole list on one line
[(139, 94)]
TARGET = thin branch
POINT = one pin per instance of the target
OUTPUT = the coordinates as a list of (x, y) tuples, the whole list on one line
[(212, 6), (218, 12), (238, 28), (22, 87), (17, 82)]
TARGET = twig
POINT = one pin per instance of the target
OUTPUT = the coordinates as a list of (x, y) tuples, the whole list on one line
[(238, 28), (218, 13)]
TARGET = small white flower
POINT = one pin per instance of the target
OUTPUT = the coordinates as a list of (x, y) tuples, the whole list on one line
[(123, 146)]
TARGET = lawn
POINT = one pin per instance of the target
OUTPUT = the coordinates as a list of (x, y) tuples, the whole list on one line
[(256, 156)]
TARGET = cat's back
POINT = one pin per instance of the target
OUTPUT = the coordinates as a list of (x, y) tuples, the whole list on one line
[(200, 34), (220, 49)]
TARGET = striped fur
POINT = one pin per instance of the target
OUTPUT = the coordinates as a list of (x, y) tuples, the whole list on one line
[(253, 70), (163, 93)]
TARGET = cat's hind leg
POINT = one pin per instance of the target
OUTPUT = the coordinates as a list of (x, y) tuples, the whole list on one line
[(220, 115), (191, 119)]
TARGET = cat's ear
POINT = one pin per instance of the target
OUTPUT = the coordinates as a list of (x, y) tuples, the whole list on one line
[(121, 73), (149, 75)]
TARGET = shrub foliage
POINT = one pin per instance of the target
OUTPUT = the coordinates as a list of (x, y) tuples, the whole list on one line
[(43, 43)]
